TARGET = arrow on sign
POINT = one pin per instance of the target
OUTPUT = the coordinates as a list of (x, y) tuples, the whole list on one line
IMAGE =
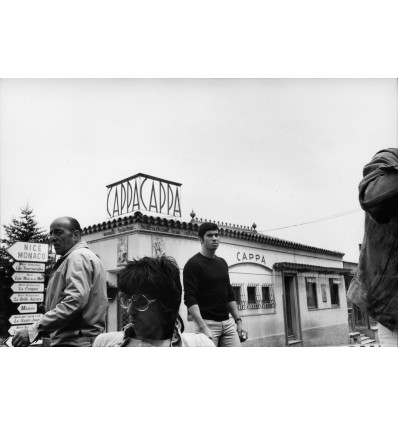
[(28, 267), (27, 251), (13, 329), (28, 277), (27, 298), (27, 287), (8, 342), (22, 319), (27, 308)]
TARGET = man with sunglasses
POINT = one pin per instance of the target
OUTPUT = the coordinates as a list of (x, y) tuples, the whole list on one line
[(150, 291), (76, 300), (208, 293)]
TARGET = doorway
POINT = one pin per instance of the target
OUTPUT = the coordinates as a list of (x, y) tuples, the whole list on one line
[(291, 309)]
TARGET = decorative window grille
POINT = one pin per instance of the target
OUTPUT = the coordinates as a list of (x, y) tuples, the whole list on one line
[(239, 296), (267, 296), (253, 296), (310, 286), (334, 292)]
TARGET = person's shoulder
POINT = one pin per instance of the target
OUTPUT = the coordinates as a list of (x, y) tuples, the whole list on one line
[(83, 252), (193, 260), (221, 260), (386, 156), (110, 339), (196, 340)]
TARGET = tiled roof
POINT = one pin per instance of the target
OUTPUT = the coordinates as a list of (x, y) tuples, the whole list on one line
[(311, 268), (238, 232)]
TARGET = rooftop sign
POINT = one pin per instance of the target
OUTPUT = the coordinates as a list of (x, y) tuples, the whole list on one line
[(143, 193)]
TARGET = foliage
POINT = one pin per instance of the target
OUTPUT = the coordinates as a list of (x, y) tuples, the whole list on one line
[(25, 230)]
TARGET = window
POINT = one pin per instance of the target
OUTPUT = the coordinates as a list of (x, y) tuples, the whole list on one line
[(239, 297), (252, 296), (310, 285), (334, 292), (267, 296)]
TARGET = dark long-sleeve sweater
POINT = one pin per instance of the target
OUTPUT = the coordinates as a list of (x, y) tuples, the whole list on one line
[(206, 283)]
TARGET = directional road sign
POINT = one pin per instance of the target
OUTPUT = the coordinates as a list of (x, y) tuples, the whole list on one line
[(29, 267), (27, 308), (27, 298), (27, 251), (13, 329), (28, 277), (27, 287), (23, 319)]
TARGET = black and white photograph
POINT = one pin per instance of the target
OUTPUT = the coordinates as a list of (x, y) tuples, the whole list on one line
[(205, 185)]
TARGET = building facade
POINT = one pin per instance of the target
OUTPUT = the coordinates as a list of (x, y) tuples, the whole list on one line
[(288, 294)]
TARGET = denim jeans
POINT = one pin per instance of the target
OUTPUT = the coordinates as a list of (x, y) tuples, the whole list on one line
[(387, 338), (224, 333)]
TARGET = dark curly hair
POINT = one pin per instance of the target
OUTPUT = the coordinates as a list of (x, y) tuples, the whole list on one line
[(157, 278), (205, 227)]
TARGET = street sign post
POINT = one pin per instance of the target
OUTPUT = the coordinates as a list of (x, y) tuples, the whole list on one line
[(27, 308), (29, 267), (27, 287), (27, 298), (29, 283), (23, 319), (28, 251)]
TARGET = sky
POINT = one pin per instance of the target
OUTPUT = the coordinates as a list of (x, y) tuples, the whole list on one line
[(275, 152)]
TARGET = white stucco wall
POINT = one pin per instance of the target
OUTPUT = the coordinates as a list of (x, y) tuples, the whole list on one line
[(250, 263)]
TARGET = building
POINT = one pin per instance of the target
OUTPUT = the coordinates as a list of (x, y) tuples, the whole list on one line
[(288, 294)]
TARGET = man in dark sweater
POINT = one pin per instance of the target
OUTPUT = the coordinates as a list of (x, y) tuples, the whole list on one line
[(208, 293)]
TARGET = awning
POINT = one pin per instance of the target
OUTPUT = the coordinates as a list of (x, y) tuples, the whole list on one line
[(296, 267)]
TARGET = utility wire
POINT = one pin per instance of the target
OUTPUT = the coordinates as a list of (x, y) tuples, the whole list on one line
[(315, 221)]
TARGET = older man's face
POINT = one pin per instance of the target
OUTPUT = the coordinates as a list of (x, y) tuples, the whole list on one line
[(61, 236)]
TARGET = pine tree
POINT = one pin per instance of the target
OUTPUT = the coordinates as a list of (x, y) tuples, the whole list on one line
[(25, 230)]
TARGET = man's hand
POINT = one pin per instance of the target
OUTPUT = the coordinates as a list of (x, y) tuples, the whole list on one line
[(205, 330), (240, 330), (21, 338)]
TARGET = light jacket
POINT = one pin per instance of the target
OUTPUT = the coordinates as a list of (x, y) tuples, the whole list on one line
[(374, 287), (179, 339), (76, 300)]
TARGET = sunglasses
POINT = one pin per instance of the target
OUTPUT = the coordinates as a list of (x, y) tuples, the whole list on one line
[(140, 302)]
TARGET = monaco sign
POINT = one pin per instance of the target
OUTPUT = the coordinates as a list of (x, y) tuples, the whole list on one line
[(23, 319), (27, 298), (29, 267), (27, 251), (27, 287)]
